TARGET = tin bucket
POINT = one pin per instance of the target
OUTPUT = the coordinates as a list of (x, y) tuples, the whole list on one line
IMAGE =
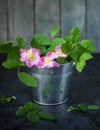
[(53, 84)]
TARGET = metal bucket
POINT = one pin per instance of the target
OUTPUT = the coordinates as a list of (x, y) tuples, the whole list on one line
[(53, 84)]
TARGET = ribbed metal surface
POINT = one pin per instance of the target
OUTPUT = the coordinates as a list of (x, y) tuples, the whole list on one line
[(53, 84)]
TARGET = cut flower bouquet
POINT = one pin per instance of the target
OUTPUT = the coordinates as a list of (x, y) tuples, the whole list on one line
[(47, 52)]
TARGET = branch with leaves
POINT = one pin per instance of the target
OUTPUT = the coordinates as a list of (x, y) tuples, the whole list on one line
[(82, 107), (4, 99), (33, 113)]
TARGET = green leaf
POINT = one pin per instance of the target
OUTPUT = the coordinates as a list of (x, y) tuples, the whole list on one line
[(46, 116), (10, 63), (27, 79), (8, 99), (41, 47), (28, 106), (93, 107), (88, 44), (20, 111), (33, 117), (36, 107), (33, 112), (55, 42), (86, 56), (66, 48), (79, 107), (21, 42), (82, 107), (14, 53), (5, 46), (12, 58), (40, 39), (80, 65), (72, 108), (31, 106), (1, 42), (54, 31), (75, 34), (67, 39), (75, 55), (22, 64), (60, 60), (41, 42), (5, 99)]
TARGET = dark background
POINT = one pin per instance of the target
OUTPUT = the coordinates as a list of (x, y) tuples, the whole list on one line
[(84, 89), (27, 17)]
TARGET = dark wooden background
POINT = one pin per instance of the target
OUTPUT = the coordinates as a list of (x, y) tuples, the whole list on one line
[(27, 17)]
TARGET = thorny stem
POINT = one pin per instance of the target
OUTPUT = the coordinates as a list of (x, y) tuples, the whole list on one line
[(18, 69)]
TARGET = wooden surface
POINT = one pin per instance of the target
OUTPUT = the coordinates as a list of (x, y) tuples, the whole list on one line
[(47, 15), (26, 17), (93, 22), (84, 89), (3, 20), (73, 14), (21, 19)]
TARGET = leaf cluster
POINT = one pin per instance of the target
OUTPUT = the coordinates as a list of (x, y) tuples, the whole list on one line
[(13, 62), (4, 99), (82, 107), (45, 44), (33, 113), (77, 51)]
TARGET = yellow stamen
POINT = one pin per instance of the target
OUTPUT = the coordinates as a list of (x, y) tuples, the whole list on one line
[(58, 53), (30, 56), (47, 60)]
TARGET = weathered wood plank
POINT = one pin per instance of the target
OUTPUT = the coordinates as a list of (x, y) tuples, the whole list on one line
[(21, 19), (93, 22), (47, 15), (3, 19), (73, 14)]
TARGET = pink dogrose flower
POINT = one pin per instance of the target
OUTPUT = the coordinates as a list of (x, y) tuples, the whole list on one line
[(48, 61), (59, 52), (31, 56)]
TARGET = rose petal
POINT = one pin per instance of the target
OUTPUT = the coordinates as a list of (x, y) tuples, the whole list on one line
[(59, 52), (50, 55), (53, 64)]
